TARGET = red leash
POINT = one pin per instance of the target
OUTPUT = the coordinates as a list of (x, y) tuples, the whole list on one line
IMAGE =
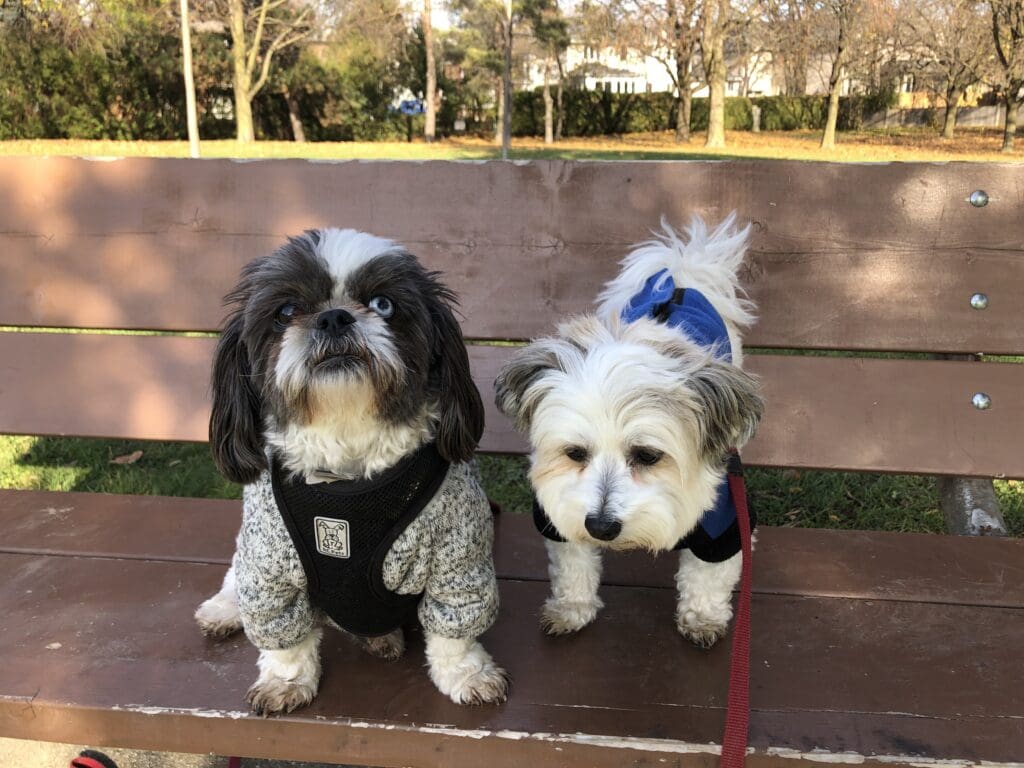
[(737, 713)]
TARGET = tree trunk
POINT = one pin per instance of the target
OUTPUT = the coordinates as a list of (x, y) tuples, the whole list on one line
[(953, 96), (558, 100), (716, 116), (190, 85), (716, 74), (1010, 126), (506, 83), (499, 124), (684, 57), (298, 134), (687, 105), (828, 139), (549, 128), (430, 123), (240, 74)]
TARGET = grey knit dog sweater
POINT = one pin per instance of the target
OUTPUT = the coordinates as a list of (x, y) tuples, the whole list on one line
[(445, 553)]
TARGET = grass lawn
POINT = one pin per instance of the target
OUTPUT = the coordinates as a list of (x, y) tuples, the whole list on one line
[(906, 145), (782, 497)]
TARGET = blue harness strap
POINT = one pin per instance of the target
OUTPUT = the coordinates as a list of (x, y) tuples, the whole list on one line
[(717, 536)]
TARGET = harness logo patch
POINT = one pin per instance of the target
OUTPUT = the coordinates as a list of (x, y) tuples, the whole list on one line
[(331, 536)]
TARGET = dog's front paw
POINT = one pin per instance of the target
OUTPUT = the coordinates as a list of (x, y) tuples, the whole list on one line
[(389, 647), (465, 672), (487, 685), (700, 629), (218, 617), (560, 617), (273, 695)]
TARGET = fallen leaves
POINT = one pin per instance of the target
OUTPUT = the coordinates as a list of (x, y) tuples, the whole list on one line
[(128, 458)]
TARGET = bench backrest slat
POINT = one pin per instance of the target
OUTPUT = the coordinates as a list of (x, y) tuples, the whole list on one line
[(851, 257), (824, 412), (860, 257)]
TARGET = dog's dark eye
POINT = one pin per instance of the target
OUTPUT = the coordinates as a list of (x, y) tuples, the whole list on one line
[(645, 457), (577, 454), (383, 306), (284, 316)]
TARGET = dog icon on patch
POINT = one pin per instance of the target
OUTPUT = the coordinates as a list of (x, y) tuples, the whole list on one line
[(331, 536)]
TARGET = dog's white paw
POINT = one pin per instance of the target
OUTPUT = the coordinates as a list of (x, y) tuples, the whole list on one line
[(487, 685), (288, 677), (218, 617), (560, 617), (465, 672), (701, 629), (273, 695)]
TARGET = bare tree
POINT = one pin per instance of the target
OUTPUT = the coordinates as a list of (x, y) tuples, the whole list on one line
[(843, 16), (788, 23), (714, 20), (1008, 34), (259, 30), (950, 41), (430, 123), (722, 23), (551, 35), (667, 31)]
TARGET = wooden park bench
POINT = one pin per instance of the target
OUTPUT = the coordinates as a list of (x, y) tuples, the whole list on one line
[(868, 648)]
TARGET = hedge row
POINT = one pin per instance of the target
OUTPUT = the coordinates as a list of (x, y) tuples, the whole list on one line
[(594, 113)]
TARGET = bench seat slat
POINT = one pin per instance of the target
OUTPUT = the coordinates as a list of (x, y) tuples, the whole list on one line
[(823, 412), (146, 243), (862, 676), (789, 561)]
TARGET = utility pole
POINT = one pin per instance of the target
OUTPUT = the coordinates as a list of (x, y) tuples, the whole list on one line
[(190, 85), (430, 123), (506, 91)]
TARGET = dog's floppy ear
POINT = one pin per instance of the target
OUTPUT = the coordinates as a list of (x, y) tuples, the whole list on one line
[(461, 422), (514, 390), (235, 431), (729, 405)]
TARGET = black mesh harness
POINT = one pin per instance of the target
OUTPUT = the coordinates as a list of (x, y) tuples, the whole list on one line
[(343, 530)]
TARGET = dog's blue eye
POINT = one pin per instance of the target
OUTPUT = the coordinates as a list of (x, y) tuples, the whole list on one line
[(382, 305), (285, 315)]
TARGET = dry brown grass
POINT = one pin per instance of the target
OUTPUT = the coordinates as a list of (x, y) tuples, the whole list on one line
[(905, 145)]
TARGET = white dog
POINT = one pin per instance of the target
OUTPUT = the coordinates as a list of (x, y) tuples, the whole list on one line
[(342, 399), (631, 414)]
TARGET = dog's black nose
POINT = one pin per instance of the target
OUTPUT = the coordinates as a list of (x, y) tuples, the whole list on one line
[(334, 322), (603, 527)]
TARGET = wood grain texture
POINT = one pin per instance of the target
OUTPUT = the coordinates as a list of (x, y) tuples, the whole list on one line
[(850, 256), (859, 676), (822, 412), (864, 565)]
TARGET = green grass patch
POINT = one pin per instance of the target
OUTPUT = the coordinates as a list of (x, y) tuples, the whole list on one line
[(793, 498)]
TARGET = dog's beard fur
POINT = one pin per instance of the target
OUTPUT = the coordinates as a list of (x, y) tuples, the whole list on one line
[(337, 394), (612, 388), (351, 402)]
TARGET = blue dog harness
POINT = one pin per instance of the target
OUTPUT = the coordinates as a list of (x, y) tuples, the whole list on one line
[(717, 536)]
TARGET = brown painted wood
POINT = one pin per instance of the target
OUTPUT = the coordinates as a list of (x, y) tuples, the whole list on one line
[(789, 561), (859, 676), (844, 255), (822, 412)]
